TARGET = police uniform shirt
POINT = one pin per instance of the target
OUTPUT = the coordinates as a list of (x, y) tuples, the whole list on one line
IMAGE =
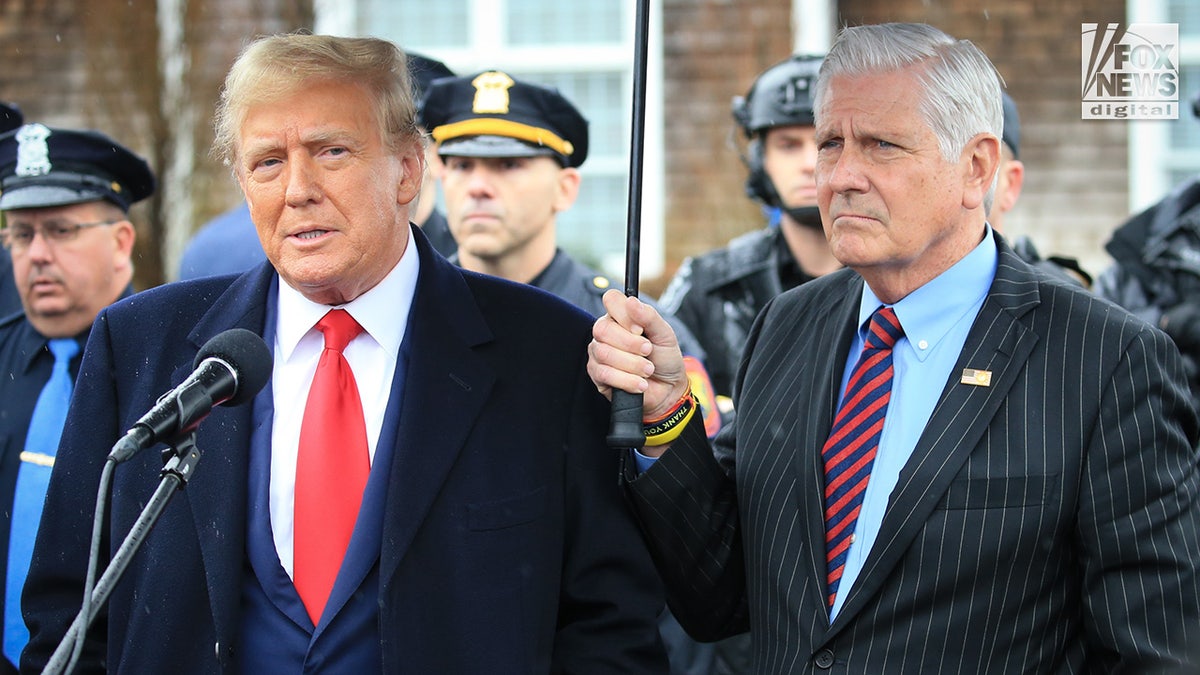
[(584, 287), (25, 366), (790, 274), (437, 231), (574, 282)]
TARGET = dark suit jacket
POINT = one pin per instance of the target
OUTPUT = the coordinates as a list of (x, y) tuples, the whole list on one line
[(1047, 523), (506, 545)]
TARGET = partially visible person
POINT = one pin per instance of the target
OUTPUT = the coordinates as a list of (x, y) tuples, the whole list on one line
[(1010, 177), (425, 212), (10, 300), (511, 152), (1155, 271), (943, 461), (424, 485), (64, 195), (718, 294), (228, 244)]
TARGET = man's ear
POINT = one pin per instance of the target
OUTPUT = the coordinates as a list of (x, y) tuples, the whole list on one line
[(980, 160), (124, 235), (1012, 178), (568, 189), (412, 161)]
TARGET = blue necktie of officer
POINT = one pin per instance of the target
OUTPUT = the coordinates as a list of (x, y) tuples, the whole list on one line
[(41, 443)]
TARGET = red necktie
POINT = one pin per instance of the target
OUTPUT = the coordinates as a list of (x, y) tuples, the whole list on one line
[(849, 452), (331, 468)]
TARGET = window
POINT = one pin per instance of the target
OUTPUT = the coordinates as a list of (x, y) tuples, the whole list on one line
[(586, 50), (1164, 153)]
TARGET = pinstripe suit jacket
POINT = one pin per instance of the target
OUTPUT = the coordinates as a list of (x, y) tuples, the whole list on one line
[(1047, 523)]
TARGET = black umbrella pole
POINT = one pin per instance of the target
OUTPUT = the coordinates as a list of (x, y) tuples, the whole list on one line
[(625, 425)]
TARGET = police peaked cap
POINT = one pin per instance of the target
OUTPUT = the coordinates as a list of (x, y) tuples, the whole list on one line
[(10, 117), (1012, 125), (42, 167), (492, 114), (424, 71)]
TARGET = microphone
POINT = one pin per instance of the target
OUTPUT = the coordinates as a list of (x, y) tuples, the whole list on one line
[(230, 369)]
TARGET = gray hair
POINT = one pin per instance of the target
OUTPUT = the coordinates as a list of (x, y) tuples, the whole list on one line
[(961, 88), (276, 66)]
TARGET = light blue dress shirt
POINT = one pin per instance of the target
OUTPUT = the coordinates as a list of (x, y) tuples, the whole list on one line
[(936, 319)]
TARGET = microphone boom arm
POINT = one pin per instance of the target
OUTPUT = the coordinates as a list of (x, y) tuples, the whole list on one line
[(180, 467)]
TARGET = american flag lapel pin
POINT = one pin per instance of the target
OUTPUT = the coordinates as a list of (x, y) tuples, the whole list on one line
[(978, 378)]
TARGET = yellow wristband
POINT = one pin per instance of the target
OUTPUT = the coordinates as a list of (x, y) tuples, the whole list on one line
[(668, 427)]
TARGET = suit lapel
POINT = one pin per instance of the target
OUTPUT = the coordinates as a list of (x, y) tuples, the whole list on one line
[(998, 342), (218, 492), (445, 390), (832, 336)]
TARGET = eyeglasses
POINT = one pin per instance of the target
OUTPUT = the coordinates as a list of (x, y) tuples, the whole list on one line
[(20, 237)]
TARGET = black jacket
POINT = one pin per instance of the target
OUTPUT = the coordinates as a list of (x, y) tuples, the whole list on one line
[(718, 295)]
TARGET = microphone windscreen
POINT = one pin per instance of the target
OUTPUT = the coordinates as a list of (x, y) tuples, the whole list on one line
[(249, 356)]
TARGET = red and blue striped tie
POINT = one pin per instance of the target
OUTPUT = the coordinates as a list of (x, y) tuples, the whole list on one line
[(850, 450)]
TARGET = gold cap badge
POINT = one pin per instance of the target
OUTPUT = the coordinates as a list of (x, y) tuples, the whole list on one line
[(491, 93)]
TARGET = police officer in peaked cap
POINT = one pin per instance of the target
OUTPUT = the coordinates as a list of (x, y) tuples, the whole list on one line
[(65, 196), (10, 301), (511, 151)]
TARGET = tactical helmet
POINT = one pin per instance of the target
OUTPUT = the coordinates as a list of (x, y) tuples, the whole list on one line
[(781, 96)]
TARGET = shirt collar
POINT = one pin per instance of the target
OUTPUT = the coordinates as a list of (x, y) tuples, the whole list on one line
[(31, 345), (382, 311), (928, 313)]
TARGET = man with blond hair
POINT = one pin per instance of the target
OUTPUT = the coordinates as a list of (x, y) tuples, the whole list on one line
[(422, 487)]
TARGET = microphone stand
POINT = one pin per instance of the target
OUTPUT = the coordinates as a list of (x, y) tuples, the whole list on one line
[(180, 466)]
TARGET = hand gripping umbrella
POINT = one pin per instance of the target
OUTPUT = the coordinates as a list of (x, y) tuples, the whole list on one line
[(625, 426)]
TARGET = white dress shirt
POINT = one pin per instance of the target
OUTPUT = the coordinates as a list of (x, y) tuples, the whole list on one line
[(383, 314)]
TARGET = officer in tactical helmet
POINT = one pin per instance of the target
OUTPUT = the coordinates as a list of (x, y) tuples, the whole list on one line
[(1155, 271), (718, 294)]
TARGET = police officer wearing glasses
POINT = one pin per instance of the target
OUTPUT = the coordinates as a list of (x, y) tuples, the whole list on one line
[(65, 196)]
